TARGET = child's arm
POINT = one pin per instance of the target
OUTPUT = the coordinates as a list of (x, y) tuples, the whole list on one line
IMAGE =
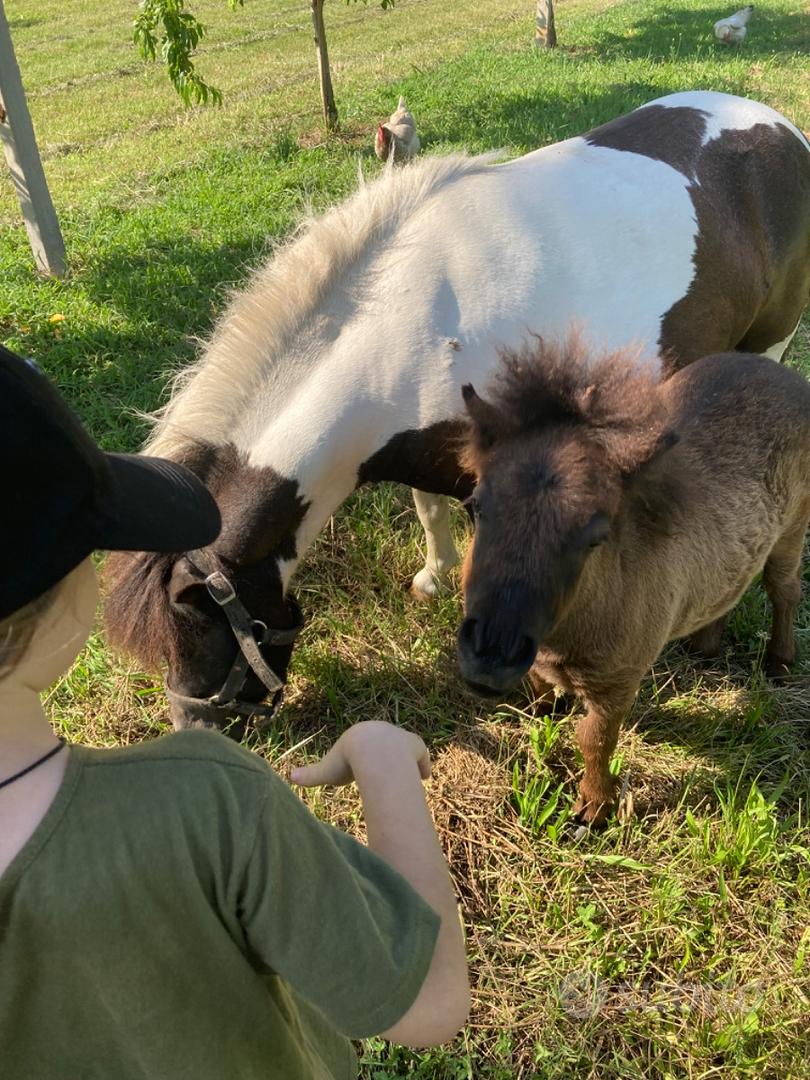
[(388, 765)]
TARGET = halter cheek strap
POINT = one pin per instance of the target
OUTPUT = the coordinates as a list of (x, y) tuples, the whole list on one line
[(251, 634)]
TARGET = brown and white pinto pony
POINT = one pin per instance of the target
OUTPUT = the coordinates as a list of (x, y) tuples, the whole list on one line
[(683, 227), (616, 512)]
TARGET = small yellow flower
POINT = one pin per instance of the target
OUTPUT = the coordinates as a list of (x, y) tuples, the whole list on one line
[(56, 318)]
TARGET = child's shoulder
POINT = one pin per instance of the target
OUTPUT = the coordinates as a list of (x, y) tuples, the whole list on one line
[(195, 778), (197, 748)]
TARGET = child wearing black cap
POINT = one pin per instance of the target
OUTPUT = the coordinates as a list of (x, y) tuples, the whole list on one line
[(172, 909)]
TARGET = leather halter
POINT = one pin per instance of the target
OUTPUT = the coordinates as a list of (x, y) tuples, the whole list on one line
[(251, 634)]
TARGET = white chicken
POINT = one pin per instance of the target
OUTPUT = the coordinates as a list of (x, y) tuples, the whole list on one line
[(732, 31), (397, 136)]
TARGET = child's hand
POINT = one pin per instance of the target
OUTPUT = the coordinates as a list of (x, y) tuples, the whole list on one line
[(371, 746)]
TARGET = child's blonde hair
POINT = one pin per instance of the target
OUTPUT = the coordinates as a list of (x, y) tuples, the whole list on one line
[(17, 629)]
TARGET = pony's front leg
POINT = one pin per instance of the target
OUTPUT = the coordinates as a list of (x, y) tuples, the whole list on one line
[(434, 513)]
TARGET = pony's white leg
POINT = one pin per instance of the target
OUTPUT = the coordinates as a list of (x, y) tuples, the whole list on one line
[(434, 513), (777, 351)]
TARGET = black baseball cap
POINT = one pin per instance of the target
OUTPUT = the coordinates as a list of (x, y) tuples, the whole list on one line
[(63, 497)]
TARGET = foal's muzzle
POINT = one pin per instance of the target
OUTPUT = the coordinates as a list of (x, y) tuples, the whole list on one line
[(493, 661)]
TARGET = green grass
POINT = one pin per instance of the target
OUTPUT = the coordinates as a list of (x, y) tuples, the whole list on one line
[(676, 943)]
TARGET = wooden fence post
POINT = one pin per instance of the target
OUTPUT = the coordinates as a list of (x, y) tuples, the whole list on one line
[(545, 34), (22, 157)]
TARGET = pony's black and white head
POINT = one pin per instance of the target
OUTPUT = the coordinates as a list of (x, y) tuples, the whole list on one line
[(159, 610)]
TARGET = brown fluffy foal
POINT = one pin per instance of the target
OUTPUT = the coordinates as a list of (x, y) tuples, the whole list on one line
[(615, 513)]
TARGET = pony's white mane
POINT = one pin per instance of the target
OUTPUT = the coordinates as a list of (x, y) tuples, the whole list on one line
[(261, 319)]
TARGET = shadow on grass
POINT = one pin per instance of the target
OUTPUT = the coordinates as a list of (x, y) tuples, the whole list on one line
[(538, 116), (558, 98), (25, 23), (735, 729), (339, 692), (163, 295), (149, 280), (672, 35), (724, 715)]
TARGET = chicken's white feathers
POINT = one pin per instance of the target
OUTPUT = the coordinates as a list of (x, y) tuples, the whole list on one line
[(732, 30), (397, 135)]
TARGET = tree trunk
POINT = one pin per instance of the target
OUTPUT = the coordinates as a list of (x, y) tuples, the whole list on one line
[(545, 36), (330, 113)]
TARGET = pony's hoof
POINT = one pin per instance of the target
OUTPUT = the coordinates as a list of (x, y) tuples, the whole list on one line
[(425, 586)]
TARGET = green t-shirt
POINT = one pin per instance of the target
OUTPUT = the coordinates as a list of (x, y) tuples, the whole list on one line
[(179, 914)]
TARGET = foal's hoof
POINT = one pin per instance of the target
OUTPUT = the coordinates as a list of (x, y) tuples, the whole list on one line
[(777, 668)]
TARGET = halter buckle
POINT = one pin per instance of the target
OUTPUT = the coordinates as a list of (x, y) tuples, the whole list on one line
[(220, 588)]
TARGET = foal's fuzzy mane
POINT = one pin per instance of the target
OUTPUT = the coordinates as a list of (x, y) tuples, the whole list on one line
[(261, 318), (547, 383)]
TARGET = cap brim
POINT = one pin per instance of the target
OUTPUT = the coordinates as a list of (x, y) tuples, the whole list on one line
[(155, 505)]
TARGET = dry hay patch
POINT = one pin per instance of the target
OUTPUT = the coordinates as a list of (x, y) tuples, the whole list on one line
[(502, 885), (469, 800)]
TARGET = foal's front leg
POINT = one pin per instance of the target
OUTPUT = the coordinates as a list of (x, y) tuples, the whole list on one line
[(783, 583), (434, 513), (706, 641), (597, 734)]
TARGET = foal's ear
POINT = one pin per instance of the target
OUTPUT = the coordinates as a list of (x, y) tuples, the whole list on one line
[(485, 417), (636, 449), (666, 441), (184, 579), (655, 452), (656, 487)]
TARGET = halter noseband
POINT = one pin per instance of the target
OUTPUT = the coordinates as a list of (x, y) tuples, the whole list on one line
[(250, 635)]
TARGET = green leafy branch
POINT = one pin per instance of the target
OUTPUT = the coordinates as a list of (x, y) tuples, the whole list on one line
[(166, 26)]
